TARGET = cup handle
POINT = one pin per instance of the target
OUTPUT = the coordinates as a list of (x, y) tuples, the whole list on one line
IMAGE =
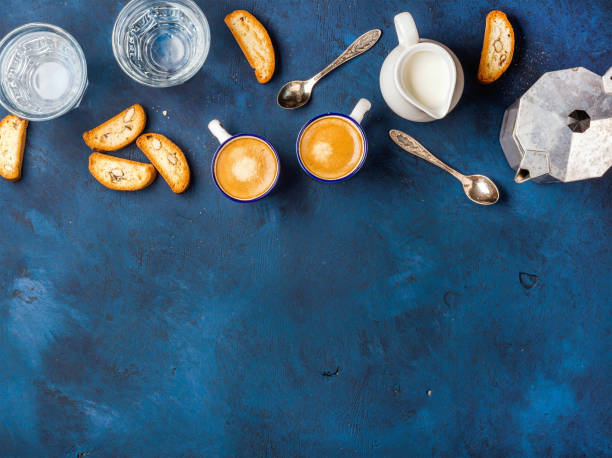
[(607, 81), (360, 110), (218, 131), (406, 29)]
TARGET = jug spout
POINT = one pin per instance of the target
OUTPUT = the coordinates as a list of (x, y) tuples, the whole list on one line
[(534, 164)]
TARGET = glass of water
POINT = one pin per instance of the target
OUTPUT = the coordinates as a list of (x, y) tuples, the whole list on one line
[(161, 43), (43, 72)]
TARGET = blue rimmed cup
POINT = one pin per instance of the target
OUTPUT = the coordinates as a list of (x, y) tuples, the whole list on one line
[(244, 169), (354, 119)]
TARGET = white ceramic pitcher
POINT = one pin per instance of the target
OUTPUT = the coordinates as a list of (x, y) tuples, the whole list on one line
[(410, 57)]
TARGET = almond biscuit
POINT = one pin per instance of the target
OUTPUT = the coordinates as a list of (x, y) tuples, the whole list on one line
[(255, 42), (121, 174), (12, 144), (167, 158), (497, 48), (117, 132)]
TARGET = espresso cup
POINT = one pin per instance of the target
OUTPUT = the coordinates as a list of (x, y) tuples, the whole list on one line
[(333, 146), (245, 167)]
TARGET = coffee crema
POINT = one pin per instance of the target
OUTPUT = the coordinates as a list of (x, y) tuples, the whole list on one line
[(331, 148), (246, 168)]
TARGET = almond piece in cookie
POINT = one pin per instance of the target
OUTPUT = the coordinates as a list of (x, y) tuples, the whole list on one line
[(118, 131), (12, 144), (497, 48), (121, 174), (167, 158), (253, 39)]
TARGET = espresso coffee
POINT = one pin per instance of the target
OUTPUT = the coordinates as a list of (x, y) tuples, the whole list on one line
[(331, 147), (246, 168)]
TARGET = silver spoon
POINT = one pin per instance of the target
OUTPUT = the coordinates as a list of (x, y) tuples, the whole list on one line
[(296, 94), (478, 188)]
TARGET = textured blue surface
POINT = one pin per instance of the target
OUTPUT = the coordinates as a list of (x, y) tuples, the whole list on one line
[(150, 324)]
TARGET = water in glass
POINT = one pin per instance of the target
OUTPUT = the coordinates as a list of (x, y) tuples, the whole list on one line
[(41, 73), (161, 43)]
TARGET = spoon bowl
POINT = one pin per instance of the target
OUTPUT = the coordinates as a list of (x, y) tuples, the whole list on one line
[(295, 94), (480, 189)]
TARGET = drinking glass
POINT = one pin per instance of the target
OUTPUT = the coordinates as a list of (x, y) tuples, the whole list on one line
[(43, 72), (161, 43)]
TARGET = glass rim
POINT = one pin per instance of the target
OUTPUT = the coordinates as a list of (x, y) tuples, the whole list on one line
[(10, 36), (120, 57)]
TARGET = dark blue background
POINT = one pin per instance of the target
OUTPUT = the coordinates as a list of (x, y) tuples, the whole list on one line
[(145, 324)]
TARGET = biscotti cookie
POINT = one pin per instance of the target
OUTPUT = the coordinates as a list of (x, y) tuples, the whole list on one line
[(167, 158), (497, 48), (121, 174), (118, 131), (12, 144), (256, 45)]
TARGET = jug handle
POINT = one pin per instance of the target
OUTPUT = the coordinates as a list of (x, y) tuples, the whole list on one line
[(607, 81), (218, 131), (406, 29)]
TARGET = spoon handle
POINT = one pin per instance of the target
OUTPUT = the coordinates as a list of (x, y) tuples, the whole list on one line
[(359, 46), (407, 143)]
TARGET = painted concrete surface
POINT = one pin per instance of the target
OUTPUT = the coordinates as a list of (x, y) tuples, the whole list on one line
[(384, 316)]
